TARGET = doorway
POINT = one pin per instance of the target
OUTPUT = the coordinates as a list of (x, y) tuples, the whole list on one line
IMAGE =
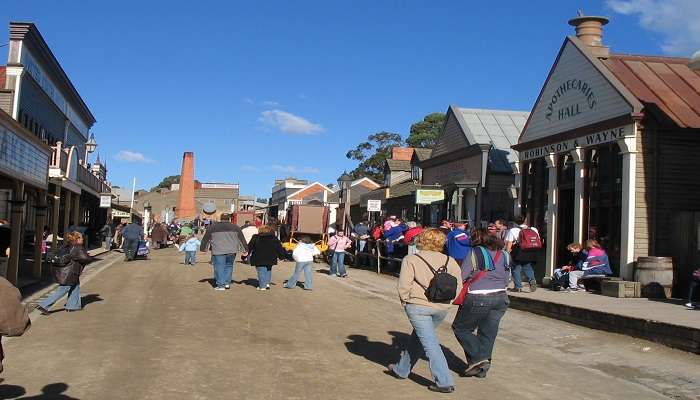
[(565, 208)]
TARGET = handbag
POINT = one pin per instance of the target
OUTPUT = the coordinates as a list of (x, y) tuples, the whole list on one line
[(465, 286), (64, 269)]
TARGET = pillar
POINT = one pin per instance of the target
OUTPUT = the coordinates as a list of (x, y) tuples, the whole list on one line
[(185, 201), (40, 221), (518, 183), (478, 204), (56, 215), (628, 145), (579, 180), (77, 215), (17, 203), (67, 210), (459, 212), (550, 251)]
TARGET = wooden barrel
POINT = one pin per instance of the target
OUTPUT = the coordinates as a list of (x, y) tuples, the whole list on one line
[(655, 275)]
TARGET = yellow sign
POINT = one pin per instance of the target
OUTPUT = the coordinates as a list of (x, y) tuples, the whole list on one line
[(429, 196)]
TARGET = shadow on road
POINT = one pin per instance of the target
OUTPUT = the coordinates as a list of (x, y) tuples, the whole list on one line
[(210, 281), (54, 391), (90, 298), (385, 353)]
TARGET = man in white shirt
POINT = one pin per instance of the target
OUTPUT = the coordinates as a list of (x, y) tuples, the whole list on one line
[(522, 260)]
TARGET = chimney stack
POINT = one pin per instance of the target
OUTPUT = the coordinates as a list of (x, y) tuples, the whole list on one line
[(185, 199), (589, 29)]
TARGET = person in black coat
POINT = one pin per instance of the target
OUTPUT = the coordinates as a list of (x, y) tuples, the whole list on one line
[(264, 249)]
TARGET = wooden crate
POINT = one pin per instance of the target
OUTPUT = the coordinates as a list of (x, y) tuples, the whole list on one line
[(620, 288)]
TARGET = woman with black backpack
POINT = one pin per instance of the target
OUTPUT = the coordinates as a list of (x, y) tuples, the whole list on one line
[(67, 265), (428, 283), (484, 301)]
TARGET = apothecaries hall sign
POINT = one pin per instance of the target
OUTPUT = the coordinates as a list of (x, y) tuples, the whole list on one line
[(593, 139), (559, 110)]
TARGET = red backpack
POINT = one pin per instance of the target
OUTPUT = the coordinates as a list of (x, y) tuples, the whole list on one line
[(377, 233), (528, 239)]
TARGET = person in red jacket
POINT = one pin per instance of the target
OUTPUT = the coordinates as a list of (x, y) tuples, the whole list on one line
[(413, 230)]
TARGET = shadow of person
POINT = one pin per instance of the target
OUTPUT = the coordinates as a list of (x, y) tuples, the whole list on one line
[(11, 391), (90, 298), (53, 391), (210, 281), (385, 354), (249, 282)]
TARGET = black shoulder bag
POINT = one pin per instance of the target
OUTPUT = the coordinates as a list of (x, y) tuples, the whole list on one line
[(443, 286)]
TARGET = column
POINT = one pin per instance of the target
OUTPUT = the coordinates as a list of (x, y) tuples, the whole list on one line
[(40, 210), (56, 215), (579, 223), (518, 183), (478, 204), (550, 252), (67, 211), (77, 214), (628, 145), (17, 203), (459, 212)]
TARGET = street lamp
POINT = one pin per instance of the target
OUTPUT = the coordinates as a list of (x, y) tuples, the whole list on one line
[(90, 147), (344, 182)]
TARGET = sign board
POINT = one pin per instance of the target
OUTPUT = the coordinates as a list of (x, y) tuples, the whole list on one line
[(429, 196), (606, 136), (374, 205), (105, 201), (22, 159)]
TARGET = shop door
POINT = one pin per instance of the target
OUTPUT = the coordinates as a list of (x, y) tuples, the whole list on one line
[(685, 239), (565, 208)]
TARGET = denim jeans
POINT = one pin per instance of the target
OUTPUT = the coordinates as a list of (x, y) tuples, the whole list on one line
[(424, 341), (481, 313), (338, 264), (73, 302), (190, 257), (517, 277), (693, 286), (130, 246), (223, 268), (308, 275), (108, 243), (264, 276)]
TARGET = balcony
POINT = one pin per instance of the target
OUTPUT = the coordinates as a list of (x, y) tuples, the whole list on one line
[(62, 161)]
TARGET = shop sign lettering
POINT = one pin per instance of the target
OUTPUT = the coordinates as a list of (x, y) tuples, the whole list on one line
[(571, 110), (606, 136)]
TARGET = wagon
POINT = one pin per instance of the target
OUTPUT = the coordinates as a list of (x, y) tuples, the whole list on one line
[(308, 220)]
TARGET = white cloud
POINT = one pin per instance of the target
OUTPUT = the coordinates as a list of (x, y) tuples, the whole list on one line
[(289, 123), (311, 170), (249, 100), (132, 156), (677, 21), (250, 168), (291, 169)]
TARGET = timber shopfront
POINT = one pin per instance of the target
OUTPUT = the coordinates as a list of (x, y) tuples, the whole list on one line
[(606, 155)]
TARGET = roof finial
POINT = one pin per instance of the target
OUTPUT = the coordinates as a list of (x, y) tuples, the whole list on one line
[(579, 13)]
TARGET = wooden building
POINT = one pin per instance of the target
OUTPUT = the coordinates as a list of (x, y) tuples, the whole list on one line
[(610, 152)]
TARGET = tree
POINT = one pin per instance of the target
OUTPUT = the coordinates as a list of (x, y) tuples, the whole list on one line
[(167, 182), (372, 154), (425, 133)]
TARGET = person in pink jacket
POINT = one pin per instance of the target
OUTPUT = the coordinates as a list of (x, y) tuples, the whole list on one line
[(337, 246)]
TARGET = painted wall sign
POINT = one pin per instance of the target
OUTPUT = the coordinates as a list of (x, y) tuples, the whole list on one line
[(105, 201), (572, 87), (606, 136), (374, 205), (429, 196)]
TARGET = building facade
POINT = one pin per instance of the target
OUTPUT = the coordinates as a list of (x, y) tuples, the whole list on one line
[(608, 153), (280, 192)]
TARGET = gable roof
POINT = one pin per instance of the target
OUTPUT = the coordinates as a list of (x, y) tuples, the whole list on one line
[(365, 181), (667, 82), (309, 186), (398, 165), (422, 154)]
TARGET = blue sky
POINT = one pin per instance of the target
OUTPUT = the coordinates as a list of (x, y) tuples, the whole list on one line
[(266, 89)]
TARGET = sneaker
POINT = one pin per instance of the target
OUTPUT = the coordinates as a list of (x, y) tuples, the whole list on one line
[(533, 286), (267, 287), (441, 389), (476, 368), (42, 310), (344, 276), (688, 306), (516, 290), (227, 287), (219, 288)]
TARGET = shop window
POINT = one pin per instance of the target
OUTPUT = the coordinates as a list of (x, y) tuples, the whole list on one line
[(534, 200), (603, 194), (5, 197)]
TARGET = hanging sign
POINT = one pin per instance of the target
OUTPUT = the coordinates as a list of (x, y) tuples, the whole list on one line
[(429, 196), (105, 201), (374, 205)]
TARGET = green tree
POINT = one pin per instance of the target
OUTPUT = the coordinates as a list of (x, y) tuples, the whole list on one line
[(425, 133), (372, 154), (166, 182)]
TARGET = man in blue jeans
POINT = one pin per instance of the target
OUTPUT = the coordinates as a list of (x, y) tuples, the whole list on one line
[(523, 260), (226, 240)]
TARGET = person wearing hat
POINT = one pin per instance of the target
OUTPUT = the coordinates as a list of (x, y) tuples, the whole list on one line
[(458, 242)]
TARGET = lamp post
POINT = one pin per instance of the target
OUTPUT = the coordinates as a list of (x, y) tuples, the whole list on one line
[(344, 182), (90, 147)]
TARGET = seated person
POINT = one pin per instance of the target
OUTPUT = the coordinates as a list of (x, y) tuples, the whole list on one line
[(596, 264), (562, 276)]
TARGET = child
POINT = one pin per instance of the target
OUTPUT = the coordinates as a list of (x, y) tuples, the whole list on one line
[(304, 256), (190, 248), (562, 276)]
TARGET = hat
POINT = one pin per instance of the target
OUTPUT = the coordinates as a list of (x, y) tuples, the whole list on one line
[(209, 208)]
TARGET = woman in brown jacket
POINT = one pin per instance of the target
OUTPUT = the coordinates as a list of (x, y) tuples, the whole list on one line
[(424, 315), (14, 319)]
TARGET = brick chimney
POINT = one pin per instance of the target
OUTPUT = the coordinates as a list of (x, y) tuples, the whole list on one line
[(589, 29), (185, 199), (402, 153)]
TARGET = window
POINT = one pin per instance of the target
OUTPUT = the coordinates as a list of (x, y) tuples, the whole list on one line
[(415, 173)]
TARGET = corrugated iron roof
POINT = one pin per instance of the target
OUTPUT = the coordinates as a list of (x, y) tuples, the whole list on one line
[(666, 82), (422, 154), (398, 165)]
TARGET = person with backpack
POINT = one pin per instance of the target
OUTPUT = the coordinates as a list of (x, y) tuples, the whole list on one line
[(694, 284), (66, 267), (428, 283), (484, 302), (524, 244)]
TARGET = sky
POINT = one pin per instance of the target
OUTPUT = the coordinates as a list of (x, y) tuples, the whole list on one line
[(260, 90)]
